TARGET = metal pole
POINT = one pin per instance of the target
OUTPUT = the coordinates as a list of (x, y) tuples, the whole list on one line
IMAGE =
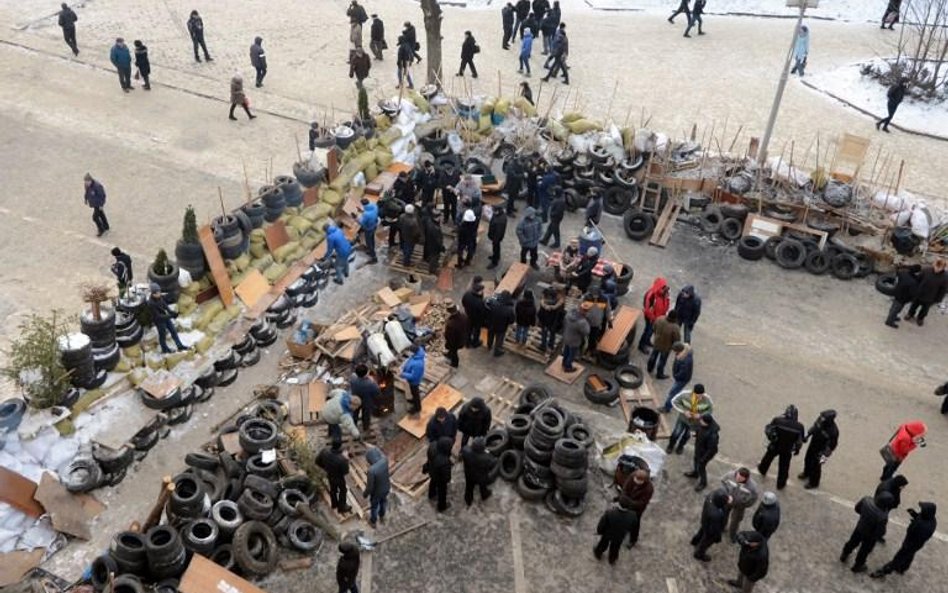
[(772, 120)]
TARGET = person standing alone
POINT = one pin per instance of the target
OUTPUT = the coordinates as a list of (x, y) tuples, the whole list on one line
[(122, 269), (196, 30), (121, 58), (258, 59), (526, 47), (906, 289), (67, 22), (507, 19), (142, 64), (801, 50), (95, 199), (377, 37), (468, 49), (237, 97)]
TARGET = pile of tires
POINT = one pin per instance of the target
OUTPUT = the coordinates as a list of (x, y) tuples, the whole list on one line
[(307, 176), (101, 332), (797, 251), (596, 171), (170, 289), (304, 292), (128, 331), (232, 234), (273, 202), (291, 189), (282, 312), (76, 355), (190, 257), (601, 390), (725, 220)]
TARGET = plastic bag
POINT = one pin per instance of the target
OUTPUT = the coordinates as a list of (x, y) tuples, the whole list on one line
[(636, 444)]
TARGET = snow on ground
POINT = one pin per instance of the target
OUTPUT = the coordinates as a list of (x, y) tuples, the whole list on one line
[(865, 93), (844, 10)]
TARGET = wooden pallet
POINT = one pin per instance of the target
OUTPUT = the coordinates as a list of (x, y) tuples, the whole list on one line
[(436, 371), (355, 486), (418, 267), (644, 395), (503, 400), (555, 370), (531, 349), (305, 402), (666, 222)]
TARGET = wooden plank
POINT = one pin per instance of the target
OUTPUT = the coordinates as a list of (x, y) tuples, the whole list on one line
[(316, 399), (252, 288), (520, 578), (66, 511), (214, 260), (204, 576), (296, 405), (666, 222), (14, 565), (442, 396), (160, 384), (513, 279), (388, 298), (349, 332), (18, 491), (556, 371), (445, 280), (623, 321), (276, 235), (310, 196), (231, 442)]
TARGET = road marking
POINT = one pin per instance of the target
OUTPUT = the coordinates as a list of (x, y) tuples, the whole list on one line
[(520, 579), (672, 585), (366, 583)]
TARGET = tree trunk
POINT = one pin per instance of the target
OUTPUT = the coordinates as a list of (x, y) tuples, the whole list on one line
[(432, 11)]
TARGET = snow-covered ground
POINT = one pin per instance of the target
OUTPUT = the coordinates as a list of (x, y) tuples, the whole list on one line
[(845, 10), (865, 93)]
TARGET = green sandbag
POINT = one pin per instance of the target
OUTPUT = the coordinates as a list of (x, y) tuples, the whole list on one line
[(371, 172), (237, 278), (258, 250), (581, 126), (291, 210), (300, 223), (275, 272), (154, 362), (280, 254), (309, 241), (258, 235), (293, 233), (331, 197), (559, 130), (484, 125), (172, 360), (136, 376), (296, 254), (316, 212), (488, 106), (502, 106), (262, 263), (242, 262), (372, 143), (359, 144), (389, 136), (383, 158), (524, 106), (204, 344), (191, 289), (132, 351), (382, 122), (123, 366), (187, 309), (420, 102), (628, 138), (208, 311), (575, 115)]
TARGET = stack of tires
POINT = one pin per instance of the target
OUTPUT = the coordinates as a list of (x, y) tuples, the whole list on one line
[(76, 355), (230, 236), (170, 289), (273, 202), (596, 171), (291, 189), (101, 332), (601, 390), (303, 292), (307, 176), (128, 331), (190, 257), (726, 220), (281, 312), (255, 212), (796, 251)]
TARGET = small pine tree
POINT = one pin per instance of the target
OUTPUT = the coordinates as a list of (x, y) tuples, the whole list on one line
[(363, 104), (189, 233), (34, 362), (161, 265)]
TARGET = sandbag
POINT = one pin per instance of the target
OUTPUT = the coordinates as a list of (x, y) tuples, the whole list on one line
[(372, 171), (136, 376), (123, 366), (262, 263), (293, 233), (382, 122), (313, 213), (502, 107), (389, 136), (372, 143), (132, 351), (331, 197), (204, 344), (275, 272), (154, 362), (187, 308), (258, 236), (525, 107), (242, 262), (309, 241), (237, 278), (301, 223), (383, 158), (420, 102), (291, 211), (257, 251), (484, 124), (281, 252), (172, 360), (572, 116), (581, 126)]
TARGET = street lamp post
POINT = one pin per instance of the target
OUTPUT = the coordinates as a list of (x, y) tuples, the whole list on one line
[(772, 120)]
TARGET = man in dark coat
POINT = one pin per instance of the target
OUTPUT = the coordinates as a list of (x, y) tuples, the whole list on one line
[(196, 31), (479, 470), (411, 40), (450, 177), (121, 58), (695, 19), (906, 290), (404, 56), (614, 526), (122, 269), (410, 233), (427, 179), (638, 489), (507, 16), (767, 516), (378, 484), (556, 212), (442, 424), (67, 22), (522, 10), (359, 65), (513, 183), (162, 316), (434, 241), (753, 561), (455, 333), (893, 486), (873, 516), (500, 308), (468, 49), (942, 391), (688, 309), (683, 8), (594, 209), (496, 232), (713, 519), (823, 437), (347, 569), (476, 310), (540, 8), (258, 59), (438, 469), (365, 388), (334, 461), (559, 53), (891, 15), (142, 63), (529, 230), (919, 531), (894, 97), (467, 235), (707, 438), (785, 434), (377, 37), (474, 420), (931, 290)]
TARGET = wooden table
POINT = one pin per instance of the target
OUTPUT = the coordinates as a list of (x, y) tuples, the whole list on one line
[(623, 321)]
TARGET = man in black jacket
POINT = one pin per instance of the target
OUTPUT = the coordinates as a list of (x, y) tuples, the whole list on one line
[(67, 22), (496, 232), (365, 388), (942, 391), (334, 461), (706, 447), (753, 561), (377, 37), (614, 526), (122, 269), (785, 434), (557, 211), (540, 8), (507, 15), (823, 437), (523, 11), (713, 519), (450, 176), (95, 198), (438, 469), (258, 59), (893, 486), (196, 31), (696, 13), (501, 314), (476, 311), (468, 49), (513, 183), (873, 516), (906, 289), (894, 97), (442, 424), (919, 531), (683, 8), (479, 465), (931, 290), (411, 39), (162, 316), (767, 516), (474, 419)]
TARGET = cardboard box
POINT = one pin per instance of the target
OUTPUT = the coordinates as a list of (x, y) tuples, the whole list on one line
[(303, 351)]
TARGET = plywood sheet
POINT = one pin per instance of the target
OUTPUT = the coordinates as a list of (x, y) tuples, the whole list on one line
[(442, 396), (204, 576), (311, 196), (18, 491), (65, 509), (513, 279), (276, 235), (14, 565), (350, 332), (317, 392), (214, 260), (160, 384), (556, 371), (388, 297), (623, 321), (252, 288)]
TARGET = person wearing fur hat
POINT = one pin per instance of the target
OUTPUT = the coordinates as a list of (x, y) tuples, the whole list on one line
[(767, 516)]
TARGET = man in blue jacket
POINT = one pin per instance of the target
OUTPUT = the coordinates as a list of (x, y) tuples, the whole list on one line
[(95, 199), (121, 58), (413, 371), (336, 243), (369, 221)]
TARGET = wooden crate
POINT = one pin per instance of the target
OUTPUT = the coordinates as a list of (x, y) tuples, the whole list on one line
[(531, 349)]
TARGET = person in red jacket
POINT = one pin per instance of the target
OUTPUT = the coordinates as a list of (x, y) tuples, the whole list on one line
[(654, 305), (907, 438)]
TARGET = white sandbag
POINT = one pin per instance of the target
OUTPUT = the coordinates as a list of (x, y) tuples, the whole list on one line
[(396, 336), (581, 142), (40, 445), (455, 142), (60, 454), (184, 278), (636, 444), (358, 180), (894, 202), (901, 218), (40, 535), (921, 221), (644, 140), (378, 347)]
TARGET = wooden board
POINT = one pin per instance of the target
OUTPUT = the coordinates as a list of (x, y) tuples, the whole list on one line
[(204, 576), (666, 222), (349, 332), (513, 279), (764, 228), (160, 384), (231, 442), (316, 393), (530, 349), (442, 396), (14, 565), (252, 288), (276, 235), (623, 321), (18, 491), (556, 371), (445, 280), (66, 511), (388, 297), (214, 260), (310, 196)]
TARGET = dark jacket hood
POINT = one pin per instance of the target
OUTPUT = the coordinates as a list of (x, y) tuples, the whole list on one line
[(444, 445), (348, 549), (828, 415), (373, 455), (688, 290), (928, 510), (719, 498), (257, 40), (884, 501)]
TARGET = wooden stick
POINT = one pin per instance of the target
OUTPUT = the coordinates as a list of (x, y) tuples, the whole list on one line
[(299, 155), (402, 532), (499, 91), (615, 89), (246, 181), (220, 195), (154, 516), (898, 181), (734, 141)]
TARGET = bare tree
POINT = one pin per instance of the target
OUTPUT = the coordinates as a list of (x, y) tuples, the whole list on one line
[(432, 11), (922, 46)]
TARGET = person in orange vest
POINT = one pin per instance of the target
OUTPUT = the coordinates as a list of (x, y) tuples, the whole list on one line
[(906, 439)]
